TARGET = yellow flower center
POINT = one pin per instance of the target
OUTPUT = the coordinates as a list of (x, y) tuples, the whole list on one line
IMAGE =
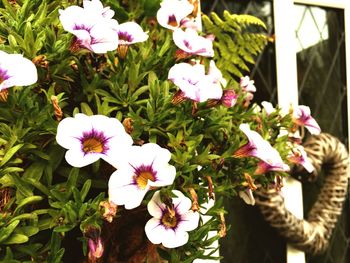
[(143, 177), (169, 219), (92, 145)]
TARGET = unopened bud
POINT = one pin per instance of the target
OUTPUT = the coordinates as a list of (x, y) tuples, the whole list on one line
[(57, 108), (229, 98), (128, 125)]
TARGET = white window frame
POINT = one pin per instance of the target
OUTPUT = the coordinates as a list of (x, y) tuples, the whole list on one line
[(287, 86)]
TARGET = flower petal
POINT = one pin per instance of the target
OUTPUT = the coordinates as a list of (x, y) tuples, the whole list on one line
[(155, 206), (189, 221), (154, 231), (76, 158)]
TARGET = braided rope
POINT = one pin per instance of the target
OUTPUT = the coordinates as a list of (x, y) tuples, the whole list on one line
[(312, 234)]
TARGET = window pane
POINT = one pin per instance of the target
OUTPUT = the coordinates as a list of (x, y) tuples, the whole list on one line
[(322, 86)]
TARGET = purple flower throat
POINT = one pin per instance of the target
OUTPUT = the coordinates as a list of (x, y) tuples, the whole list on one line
[(94, 142), (3, 75)]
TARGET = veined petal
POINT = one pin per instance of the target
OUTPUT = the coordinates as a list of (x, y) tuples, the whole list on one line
[(73, 18), (170, 227), (172, 12), (154, 230), (103, 39), (91, 138), (302, 116), (130, 33), (155, 206), (189, 221), (15, 70), (181, 203), (190, 42)]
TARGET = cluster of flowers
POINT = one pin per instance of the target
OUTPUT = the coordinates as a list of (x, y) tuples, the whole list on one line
[(140, 169), (96, 30)]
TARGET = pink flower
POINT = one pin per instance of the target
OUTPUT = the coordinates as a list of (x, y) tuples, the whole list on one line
[(190, 42), (172, 12), (299, 156), (273, 164), (95, 248), (15, 70), (194, 83), (229, 98), (302, 117), (169, 225), (261, 149)]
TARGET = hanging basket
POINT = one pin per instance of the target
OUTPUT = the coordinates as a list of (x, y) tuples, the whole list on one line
[(312, 234)]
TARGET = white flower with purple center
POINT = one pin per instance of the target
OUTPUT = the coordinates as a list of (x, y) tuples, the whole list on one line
[(15, 70), (302, 117), (130, 33), (170, 225), (172, 12), (194, 83), (146, 167), (89, 138), (190, 42), (92, 26)]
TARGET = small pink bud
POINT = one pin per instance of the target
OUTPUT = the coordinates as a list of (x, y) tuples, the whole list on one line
[(95, 248), (229, 98)]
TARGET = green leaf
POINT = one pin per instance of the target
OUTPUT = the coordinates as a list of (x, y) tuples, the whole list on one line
[(85, 108), (27, 230), (85, 189), (10, 153), (16, 239), (5, 232), (34, 171), (28, 200), (22, 186)]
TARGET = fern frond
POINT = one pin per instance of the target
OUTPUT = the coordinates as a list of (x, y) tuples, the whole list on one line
[(239, 39)]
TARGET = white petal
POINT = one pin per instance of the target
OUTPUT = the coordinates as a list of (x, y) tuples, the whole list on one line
[(123, 191), (189, 221), (70, 130), (181, 202), (20, 71), (73, 16), (104, 39), (165, 176), (130, 196), (155, 207), (173, 239), (154, 231), (179, 9), (75, 157), (135, 30)]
